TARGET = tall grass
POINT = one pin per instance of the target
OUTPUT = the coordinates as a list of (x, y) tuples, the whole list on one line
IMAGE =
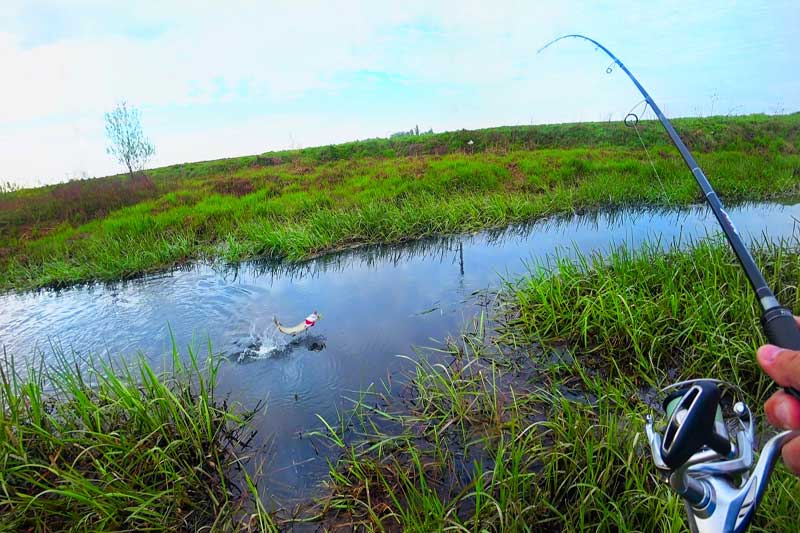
[(477, 448), (535, 423), (120, 447), (650, 313)]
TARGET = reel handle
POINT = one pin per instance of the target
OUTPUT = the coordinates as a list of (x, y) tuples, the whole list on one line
[(782, 330)]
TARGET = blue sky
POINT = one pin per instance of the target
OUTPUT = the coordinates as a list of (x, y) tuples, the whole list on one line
[(215, 80)]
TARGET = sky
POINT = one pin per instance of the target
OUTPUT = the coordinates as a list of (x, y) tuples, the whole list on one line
[(222, 79)]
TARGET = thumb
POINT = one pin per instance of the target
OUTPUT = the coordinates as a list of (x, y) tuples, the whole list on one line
[(781, 364)]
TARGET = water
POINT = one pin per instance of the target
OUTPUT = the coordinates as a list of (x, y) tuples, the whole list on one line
[(377, 302)]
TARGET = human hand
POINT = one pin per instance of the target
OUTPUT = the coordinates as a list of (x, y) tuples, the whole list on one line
[(783, 410)]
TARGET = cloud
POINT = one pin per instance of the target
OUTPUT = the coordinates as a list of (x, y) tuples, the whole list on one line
[(216, 80), (58, 152)]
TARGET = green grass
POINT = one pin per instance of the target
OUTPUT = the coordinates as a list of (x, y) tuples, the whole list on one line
[(648, 312), (293, 205), (529, 421), (534, 422), (119, 447)]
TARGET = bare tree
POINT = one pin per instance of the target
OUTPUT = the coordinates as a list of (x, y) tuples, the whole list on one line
[(127, 143)]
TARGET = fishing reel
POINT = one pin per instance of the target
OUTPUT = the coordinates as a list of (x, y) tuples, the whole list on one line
[(707, 450)]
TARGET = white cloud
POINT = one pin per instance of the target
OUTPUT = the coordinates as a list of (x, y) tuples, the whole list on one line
[(186, 64)]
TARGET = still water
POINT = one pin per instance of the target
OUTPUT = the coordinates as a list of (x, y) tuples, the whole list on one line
[(377, 302)]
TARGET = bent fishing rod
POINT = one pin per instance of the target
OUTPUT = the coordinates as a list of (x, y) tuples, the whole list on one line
[(777, 321), (708, 432)]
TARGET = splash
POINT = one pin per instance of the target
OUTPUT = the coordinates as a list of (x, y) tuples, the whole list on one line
[(261, 343), (266, 343)]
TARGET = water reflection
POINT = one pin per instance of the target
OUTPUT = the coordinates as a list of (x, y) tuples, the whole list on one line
[(378, 302), (450, 248)]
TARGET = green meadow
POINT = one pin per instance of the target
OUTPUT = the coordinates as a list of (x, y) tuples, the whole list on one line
[(296, 204), (531, 419)]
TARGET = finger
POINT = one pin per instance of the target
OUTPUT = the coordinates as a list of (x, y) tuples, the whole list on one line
[(770, 408), (783, 411), (791, 455), (781, 364)]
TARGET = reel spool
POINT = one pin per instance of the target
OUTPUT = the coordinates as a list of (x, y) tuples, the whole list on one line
[(706, 448)]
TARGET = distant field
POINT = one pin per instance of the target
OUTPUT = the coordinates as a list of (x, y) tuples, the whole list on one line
[(294, 204)]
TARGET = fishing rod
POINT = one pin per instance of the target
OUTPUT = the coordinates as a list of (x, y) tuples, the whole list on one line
[(708, 440), (777, 321)]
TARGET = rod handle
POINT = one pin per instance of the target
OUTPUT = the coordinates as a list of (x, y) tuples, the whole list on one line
[(782, 330)]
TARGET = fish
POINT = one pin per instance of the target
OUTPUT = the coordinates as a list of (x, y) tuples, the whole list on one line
[(299, 328)]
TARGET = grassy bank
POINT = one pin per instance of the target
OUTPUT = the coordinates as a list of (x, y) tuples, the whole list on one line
[(537, 423), (122, 448), (291, 205)]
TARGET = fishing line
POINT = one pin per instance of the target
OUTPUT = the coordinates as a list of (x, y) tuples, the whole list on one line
[(631, 120)]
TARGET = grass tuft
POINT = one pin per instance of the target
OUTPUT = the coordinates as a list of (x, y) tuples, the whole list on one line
[(120, 447)]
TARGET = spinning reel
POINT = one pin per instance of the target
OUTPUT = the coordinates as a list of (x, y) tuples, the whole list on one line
[(706, 448)]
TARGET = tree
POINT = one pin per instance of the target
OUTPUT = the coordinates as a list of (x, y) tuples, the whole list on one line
[(127, 143)]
